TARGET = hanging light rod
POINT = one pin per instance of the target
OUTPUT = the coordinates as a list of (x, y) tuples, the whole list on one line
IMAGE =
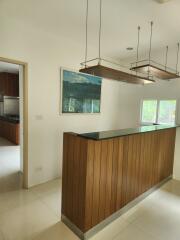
[(153, 68), (104, 71), (86, 44), (177, 60), (167, 48)]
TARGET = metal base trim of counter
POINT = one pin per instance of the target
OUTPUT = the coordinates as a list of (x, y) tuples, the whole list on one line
[(104, 223)]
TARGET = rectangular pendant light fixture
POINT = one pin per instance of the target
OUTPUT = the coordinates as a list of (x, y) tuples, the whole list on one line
[(152, 69), (108, 72), (139, 73), (113, 74)]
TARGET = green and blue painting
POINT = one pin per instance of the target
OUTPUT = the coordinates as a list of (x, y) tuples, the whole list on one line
[(81, 93)]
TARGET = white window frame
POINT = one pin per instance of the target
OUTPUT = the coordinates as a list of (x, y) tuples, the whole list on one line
[(157, 110)]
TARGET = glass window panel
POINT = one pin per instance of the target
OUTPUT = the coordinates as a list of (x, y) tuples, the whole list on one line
[(149, 110), (167, 112)]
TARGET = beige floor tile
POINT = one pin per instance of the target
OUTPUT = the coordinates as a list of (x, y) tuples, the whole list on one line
[(53, 201), (172, 186), (14, 199), (110, 231), (44, 190), (132, 232), (50, 194), (10, 177), (2, 237), (161, 222), (24, 222), (56, 232)]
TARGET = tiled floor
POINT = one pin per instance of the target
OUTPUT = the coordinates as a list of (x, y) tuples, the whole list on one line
[(10, 177), (34, 214)]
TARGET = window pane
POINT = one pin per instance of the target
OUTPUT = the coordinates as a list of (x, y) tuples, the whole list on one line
[(149, 111), (167, 112)]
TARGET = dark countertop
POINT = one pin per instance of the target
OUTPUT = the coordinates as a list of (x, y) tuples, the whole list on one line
[(10, 119), (125, 132)]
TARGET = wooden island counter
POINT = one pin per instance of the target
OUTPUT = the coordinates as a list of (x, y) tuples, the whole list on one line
[(106, 173)]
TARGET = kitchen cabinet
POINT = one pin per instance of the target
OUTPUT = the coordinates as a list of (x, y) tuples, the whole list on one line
[(9, 84), (10, 131)]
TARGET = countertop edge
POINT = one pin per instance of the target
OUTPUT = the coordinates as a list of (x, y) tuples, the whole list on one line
[(125, 134)]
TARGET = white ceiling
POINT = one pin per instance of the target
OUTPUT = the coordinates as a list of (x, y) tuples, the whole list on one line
[(119, 25), (8, 67)]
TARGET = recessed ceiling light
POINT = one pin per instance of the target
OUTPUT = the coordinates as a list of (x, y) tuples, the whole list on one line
[(129, 48)]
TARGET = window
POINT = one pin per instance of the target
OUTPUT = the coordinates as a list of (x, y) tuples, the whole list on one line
[(167, 111), (149, 111), (158, 111)]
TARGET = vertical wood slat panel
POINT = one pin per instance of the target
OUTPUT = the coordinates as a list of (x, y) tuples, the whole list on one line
[(120, 159), (100, 177), (137, 147), (89, 184), (103, 179), (114, 174), (96, 183), (64, 173), (124, 171), (134, 162), (145, 162), (141, 165), (73, 178), (82, 184), (129, 173), (153, 159), (70, 158), (76, 180), (109, 179), (148, 160), (172, 150)]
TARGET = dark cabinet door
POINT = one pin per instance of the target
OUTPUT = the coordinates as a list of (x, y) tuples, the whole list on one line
[(3, 83), (10, 131), (9, 84)]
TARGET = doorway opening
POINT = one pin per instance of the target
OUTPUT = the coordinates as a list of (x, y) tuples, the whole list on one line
[(13, 125)]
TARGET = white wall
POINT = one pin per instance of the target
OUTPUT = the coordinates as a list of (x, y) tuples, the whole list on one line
[(45, 53)]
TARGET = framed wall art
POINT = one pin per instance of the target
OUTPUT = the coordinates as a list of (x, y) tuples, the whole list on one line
[(80, 93)]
